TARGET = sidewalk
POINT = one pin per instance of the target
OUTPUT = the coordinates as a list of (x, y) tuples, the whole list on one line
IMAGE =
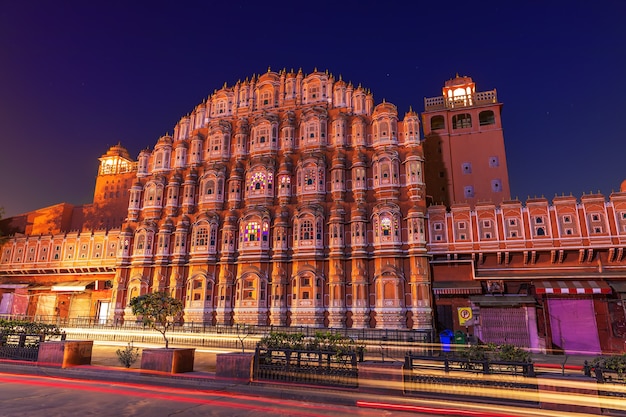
[(104, 354)]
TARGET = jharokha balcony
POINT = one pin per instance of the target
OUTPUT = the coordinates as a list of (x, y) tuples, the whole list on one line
[(465, 100)]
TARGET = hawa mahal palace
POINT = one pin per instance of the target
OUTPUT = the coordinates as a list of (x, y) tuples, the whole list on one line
[(294, 199)]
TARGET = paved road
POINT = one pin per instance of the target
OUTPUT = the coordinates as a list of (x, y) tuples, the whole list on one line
[(29, 395)]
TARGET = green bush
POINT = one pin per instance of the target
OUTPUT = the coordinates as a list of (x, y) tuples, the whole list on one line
[(282, 340), (505, 353), (474, 353), (511, 353), (128, 356), (322, 341), (615, 363), (28, 327), (326, 341)]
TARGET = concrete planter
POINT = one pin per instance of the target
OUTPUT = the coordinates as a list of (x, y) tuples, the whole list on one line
[(235, 366), (171, 360), (65, 353)]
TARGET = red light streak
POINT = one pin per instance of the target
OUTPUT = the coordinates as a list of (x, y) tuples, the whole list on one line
[(431, 410)]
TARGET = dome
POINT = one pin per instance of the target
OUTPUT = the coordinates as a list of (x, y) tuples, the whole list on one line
[(118, 150)]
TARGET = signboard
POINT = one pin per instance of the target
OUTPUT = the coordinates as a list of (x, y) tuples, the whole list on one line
[(465, 316)]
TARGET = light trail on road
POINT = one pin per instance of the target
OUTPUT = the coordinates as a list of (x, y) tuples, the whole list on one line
[(88, 394)]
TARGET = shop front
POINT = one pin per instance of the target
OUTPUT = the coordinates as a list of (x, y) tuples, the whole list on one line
[(507, 319), (572, 308)]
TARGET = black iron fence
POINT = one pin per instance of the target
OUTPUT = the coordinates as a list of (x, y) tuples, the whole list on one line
[(499, 381), (306, 367), (385, 335), (486, 366), (24, 347)]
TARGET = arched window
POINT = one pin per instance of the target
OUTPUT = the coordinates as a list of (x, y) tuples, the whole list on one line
[(306, 230), (385, 226), (201, 235), (461, 121), (285, 185), (253, 232), (437, 123), (486, 117), (258, 181), (309, 178), (210, 185), (266, 98)]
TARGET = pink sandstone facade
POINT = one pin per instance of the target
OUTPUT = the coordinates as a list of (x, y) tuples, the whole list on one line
[(294, 199), (464, 145)]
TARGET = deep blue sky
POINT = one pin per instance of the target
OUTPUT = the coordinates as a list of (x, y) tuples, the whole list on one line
[(79, 76)]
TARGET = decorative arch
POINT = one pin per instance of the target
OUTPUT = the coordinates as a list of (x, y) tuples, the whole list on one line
[(144, 240), (137, 285), (307, 284), (308, 228), (260, 181), (386, 169), (311, 176), (251, 286), (153, 194), (387, 224), (389, 286), (254, 230)]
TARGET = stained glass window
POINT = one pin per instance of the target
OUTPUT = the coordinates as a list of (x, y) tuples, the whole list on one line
[(258, 181), (385, 225), (253, 232), (265, 231)]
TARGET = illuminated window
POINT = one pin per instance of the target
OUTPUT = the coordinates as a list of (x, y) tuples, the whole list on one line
[(258, 181), (309, 178), (265, 232), (253, 232), (385, 226)]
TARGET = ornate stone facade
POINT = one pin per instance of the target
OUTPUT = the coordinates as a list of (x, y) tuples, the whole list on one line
[(286, 199)]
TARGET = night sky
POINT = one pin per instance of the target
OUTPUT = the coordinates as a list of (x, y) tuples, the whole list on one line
[(79, 76)]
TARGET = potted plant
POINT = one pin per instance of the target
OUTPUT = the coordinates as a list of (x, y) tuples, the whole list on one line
[(158, 311)]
